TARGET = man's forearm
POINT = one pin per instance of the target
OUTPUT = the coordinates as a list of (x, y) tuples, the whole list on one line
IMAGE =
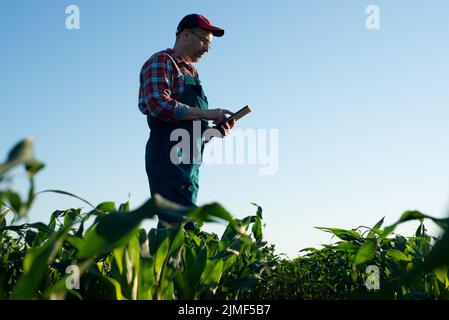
[(193, 114)]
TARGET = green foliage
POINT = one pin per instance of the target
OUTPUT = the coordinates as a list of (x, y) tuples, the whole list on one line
[(410, 268), (116, 259)]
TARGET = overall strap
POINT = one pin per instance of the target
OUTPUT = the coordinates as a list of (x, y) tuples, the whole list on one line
[(180, 70)]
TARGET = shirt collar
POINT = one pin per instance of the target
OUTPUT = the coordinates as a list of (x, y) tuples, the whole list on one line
[(172, 53)]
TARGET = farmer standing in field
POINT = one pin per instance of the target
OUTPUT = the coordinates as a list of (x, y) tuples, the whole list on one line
[(172, 98)]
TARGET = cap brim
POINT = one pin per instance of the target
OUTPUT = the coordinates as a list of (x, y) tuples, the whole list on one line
[(217, 32)]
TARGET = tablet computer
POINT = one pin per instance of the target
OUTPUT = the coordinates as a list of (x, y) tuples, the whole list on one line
[(238, 115)]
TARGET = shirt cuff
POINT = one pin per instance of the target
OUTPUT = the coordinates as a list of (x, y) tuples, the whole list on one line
[(180, 111)]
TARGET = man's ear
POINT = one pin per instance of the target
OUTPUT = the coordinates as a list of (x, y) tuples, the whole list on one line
[(185, 34)]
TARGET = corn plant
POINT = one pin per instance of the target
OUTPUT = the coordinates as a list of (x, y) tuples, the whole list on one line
[(115, 258), (103, 253), (409, 268)]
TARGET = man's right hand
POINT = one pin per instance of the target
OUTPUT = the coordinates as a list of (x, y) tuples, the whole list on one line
[(217, 115)]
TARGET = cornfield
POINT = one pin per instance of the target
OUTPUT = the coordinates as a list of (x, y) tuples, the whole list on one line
[(104, 253)]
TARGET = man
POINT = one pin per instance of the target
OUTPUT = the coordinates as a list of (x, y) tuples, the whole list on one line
[(172, 98)]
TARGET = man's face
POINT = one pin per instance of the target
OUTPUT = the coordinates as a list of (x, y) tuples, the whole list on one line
[(198, 43)]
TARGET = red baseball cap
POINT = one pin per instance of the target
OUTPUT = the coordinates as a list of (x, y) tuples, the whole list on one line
[(198, 21)]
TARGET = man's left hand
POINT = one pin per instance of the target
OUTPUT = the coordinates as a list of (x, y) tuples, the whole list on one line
[(226, 127)]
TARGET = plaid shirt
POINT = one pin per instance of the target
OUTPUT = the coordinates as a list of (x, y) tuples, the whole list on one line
[(162, 84)]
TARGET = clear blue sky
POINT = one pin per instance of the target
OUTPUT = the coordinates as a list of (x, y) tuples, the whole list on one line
[(361, 115)]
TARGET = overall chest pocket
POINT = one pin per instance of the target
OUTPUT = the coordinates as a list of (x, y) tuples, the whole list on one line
[(198, 91)]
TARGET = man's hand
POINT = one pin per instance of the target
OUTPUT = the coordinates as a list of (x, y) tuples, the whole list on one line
[(226, 127), (217, 115)]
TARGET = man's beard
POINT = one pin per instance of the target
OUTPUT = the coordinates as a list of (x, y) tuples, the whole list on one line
[(198, 55)]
